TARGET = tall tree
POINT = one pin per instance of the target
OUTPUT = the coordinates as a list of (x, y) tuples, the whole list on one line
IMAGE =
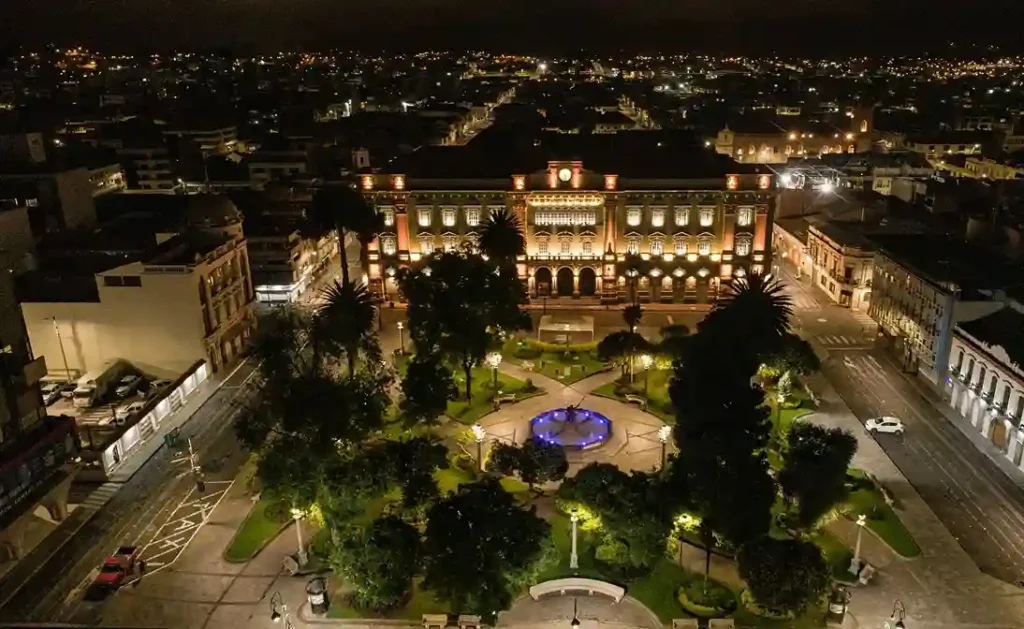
[(459, 305), (794, 355), (426, 389), (814, 474), (501, 237), (481, 547), (503, 458), (750, 320), (342, 209), (537, 461), (345, 317), (378, 563), (674, 340), (785, 576), (631, 315), (620, 347)]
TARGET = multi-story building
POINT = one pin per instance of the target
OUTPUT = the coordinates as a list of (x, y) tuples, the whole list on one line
[(938, 146), (210, 139), (986, 377), (56, 198), (923, 285), (149, 167), (767, 142), (162, 304), (841, 264), (695, 220), (284, 262)]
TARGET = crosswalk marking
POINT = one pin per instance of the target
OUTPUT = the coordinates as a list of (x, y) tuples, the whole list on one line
[(842, 340)]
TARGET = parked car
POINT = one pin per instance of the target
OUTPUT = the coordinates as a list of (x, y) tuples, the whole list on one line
[(127, 386), (125, 412), (891, 425), (118, 569), (52, 392), (67, 390), (154, 388)]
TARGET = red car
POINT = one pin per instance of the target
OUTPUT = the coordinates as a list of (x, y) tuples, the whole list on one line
[(117, 570)]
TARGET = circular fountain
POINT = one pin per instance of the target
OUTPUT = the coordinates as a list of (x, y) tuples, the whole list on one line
[(572, 427)]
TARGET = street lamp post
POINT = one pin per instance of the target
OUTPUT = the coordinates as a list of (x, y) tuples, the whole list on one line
[(493, 360), (60, 342), (574, 558), (899, 612), (401, 337), (663, 435), (575, 622), (479, 434), (646, 361), (301, 555), (855, 562)]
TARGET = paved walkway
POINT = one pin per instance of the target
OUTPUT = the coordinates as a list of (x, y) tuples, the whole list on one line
[(943, 587)]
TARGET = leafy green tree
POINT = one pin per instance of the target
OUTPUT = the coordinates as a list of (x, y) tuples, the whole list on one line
[(480, 547), (784, 576), (794, 355), (674, 340), (342, 209), (378, 563), (346, 316), (620, 347), (426, 389), (541, 461), (503, 458), (814, 474), (459, 305), (501, 237)]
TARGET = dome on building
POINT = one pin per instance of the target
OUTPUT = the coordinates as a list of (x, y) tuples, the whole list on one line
[(211, 210)]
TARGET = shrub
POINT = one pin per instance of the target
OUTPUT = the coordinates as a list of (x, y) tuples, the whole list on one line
[(464, 462), (529, 386), (612, 552), (751, 605), (714, 601), (527, 353)]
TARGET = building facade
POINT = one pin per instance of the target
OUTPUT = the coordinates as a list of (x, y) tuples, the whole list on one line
[(841, 265), (690, 236), (986, 379), (778, 143)]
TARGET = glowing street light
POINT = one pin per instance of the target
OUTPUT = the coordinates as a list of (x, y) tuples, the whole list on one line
[(574, 558), (301, 555), (401, 337), (479, 434), (855, 562), (646, 360), (663, 434), (493, 360)]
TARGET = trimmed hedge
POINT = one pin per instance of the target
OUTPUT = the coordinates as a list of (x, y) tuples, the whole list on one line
[(718, 602)]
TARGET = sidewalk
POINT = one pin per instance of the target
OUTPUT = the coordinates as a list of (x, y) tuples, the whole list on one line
[(942, 588)]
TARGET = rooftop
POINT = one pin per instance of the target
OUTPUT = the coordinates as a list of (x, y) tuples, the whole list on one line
[(945, 260), (1003, 328)]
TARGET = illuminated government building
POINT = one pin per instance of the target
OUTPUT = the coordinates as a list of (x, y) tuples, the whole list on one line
[(695, 218)]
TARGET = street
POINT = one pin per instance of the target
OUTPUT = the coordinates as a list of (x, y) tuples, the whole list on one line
[(974, 499)]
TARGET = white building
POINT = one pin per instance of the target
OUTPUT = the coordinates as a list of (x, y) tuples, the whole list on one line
[(986, 380)]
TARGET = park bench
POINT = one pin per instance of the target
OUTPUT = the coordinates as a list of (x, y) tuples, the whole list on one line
[(504, 397), (721, 623), (435, 621), (684, 623), (590, 586), (636, 399), (528, 365), (469, 622)]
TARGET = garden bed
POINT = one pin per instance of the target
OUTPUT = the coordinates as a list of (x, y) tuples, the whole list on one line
[(482, 402), (659, 403), (266, 520), (565, 363), (868, 498)]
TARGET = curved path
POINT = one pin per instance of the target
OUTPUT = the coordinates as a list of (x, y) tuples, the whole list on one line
[(592, 611)]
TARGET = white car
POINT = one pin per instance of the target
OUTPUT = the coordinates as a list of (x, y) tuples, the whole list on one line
[(51, 392), (127, 386), (125, 412), (891, 425)]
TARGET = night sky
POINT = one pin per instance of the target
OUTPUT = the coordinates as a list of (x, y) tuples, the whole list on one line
[(819, 26)]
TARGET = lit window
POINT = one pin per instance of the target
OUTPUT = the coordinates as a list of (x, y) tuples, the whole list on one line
[(757, 269), (744, 244), (389, 216), (680, 242), (863, 126), (427, 244), (448, 216), (472, 216), (633, 244), (565, 245), (424, 218), (542, 246), (704, 245), (744, 216), (657, 246), (658, 216), (682, 216), (633, 216), (852, 149), (789, 149), (707, 216), (450, 242), (389, 245), (588, 247)]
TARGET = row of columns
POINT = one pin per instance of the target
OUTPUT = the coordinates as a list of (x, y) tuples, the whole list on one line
[(988, 421)]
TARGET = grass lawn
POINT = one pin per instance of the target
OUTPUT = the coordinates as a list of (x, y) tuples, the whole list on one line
[(483, 392), (580, 360), (867, 499), (658, 401), (264, 522), (421, 602), (837, 554)]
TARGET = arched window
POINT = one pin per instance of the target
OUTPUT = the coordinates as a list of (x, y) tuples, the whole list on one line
[(744, 243), (657, 246), (680, 244), (863, 126), (704, 245), (388, 244)]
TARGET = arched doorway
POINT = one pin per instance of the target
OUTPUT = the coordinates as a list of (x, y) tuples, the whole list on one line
[(565, 282), (542, 282), (588, 282), (999, 434)]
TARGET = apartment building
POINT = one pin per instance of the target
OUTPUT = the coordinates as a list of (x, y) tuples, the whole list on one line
[(842, 262), (284, 262)]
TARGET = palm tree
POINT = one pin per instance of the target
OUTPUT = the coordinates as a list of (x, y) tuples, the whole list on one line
[(754, 313), (635, 266), (340, 209), (632, 314), (345, 322), (501, 237)]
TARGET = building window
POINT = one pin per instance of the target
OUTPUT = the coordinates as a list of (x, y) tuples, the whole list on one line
[(472, 216), (427, 244), (682, 216), (450, 241), (565, 217), (588, 247), (743, 244), (448, 217), (389, 216), (707, 216), (745, 216), (657, 246), (704, 245), (633, 216), (657, 216), (389, 245), (542, 245), (633, 244), (424, 217), (680, 242), (852, 149)]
